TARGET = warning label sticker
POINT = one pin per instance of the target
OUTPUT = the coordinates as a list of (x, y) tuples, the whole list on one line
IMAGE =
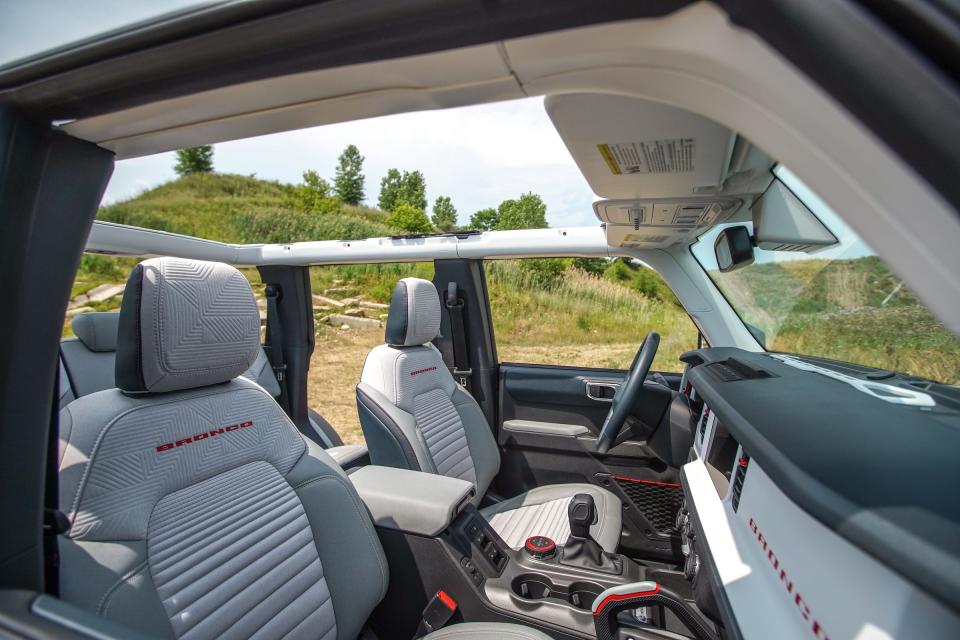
[(672, 155)]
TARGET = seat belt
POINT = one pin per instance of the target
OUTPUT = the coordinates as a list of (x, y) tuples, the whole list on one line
[(275, 334), (462, 372), (55, 522)]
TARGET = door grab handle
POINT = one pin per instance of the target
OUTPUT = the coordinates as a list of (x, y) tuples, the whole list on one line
[(592, 388)]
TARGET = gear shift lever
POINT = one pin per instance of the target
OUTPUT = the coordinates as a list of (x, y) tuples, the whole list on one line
[(582, 513), (581, 550)]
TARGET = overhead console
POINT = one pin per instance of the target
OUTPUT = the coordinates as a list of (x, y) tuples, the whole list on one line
[(662, 172), (656, 223)]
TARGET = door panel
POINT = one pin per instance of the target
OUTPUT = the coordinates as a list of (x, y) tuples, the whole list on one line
[(554, 394)]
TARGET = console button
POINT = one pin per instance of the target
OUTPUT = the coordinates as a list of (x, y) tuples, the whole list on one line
[(540, 547)]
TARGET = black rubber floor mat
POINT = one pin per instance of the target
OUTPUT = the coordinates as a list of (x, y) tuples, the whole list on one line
[(657, 501)]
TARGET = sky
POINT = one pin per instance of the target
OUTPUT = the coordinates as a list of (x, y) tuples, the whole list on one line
[(478, 156)]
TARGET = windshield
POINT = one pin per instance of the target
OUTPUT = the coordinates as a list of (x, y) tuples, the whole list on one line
[(33, 28), (842, 302)]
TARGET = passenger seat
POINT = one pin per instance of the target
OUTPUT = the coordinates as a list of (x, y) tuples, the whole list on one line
[(87, 365)]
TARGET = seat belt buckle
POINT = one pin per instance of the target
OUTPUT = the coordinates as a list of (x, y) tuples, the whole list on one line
[(279, 372), (55, 522), (462, 376), (437, 613)]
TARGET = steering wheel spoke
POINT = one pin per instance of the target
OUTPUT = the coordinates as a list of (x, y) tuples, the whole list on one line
[(625, 399)]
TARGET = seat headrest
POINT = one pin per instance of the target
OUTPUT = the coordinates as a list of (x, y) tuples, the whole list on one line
[(185, 324), (97, 330), (414, 315)]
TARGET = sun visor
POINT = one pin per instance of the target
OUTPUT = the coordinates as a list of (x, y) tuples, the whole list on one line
[(629, 148)]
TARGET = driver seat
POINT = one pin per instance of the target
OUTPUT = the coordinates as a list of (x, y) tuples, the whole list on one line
[(415, 416)]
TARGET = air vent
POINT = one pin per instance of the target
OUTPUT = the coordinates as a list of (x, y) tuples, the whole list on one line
[(739, 475), (731, 370)]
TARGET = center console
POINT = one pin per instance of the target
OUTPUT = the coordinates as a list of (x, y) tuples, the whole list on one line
[(435, 539)]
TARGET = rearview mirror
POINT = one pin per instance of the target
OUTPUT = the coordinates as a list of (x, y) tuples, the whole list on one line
[(733, 248)]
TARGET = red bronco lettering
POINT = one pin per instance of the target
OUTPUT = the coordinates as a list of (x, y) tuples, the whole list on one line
[(167, 446), (419, 371), (814, 625)]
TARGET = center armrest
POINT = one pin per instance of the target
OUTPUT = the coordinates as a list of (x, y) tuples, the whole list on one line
[(411, 501)]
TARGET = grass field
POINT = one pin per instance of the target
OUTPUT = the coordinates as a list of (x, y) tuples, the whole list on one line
[(851, 310), (585, 313)]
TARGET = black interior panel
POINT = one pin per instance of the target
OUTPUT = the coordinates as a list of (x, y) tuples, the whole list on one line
[(553, 394)]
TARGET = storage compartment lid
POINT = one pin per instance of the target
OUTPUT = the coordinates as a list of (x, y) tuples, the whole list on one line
[(411, 501)]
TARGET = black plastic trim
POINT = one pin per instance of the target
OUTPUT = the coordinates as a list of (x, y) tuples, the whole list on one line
[(708, 568), (889, 83)]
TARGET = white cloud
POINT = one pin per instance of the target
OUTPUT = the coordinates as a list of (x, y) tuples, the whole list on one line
[(479, 156)]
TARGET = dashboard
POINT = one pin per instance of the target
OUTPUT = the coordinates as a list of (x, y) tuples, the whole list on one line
[(820, 498)]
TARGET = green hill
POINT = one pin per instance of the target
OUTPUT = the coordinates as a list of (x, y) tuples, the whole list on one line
[(233, 208)]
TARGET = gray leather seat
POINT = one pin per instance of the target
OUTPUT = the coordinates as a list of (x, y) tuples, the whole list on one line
[(87, 365), (197, 509), (416, 417)]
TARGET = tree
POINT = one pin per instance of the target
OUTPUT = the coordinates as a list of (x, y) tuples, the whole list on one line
[(528, 212), (413, 190), (348, 180), (484, 220), (390, 190), (409, 218), (596, 266), (444, 214), (396, 188), (314, 194), (194, 160)]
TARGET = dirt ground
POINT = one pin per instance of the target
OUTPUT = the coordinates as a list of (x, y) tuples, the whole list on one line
[(339, 355)]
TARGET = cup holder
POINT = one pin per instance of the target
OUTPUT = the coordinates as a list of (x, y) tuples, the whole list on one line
[(582, 594), (534, 587)]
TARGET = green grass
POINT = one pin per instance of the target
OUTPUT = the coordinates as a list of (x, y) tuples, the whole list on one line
[(850, 310), (572, 320)]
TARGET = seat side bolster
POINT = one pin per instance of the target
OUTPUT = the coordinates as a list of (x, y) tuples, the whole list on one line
[(354, 564), (480, 440), (112, 579), (391, 433)]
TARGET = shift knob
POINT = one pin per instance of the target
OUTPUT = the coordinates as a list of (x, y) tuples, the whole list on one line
[(582, 513)]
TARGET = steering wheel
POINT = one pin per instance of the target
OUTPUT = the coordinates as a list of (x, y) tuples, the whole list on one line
[(626, 396)]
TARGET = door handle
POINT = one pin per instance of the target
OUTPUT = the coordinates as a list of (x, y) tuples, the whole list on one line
[(601, 391)]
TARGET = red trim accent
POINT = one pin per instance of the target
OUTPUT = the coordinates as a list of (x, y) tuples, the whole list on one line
[(624, 596), (533, 547), (447, 600), (639, 481)]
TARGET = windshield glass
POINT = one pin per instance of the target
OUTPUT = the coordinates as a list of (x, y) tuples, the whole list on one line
[(32, 28), (842, 302)]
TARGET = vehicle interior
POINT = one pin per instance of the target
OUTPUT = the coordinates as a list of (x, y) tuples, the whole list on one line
[(167, 472)]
